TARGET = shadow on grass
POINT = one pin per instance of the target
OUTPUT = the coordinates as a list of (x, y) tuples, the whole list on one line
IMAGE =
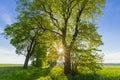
[(29, 74), (18, 73)]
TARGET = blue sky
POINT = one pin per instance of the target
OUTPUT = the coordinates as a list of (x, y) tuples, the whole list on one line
[(7, 16), (109, 28)]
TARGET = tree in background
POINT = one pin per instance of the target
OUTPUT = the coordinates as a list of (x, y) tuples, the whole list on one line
[(39, 56), (25, 34), (23, 39), (30, 29)]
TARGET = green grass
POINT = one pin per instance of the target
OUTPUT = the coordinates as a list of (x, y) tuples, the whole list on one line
[(15, 72), (10, 65), (110, 73)]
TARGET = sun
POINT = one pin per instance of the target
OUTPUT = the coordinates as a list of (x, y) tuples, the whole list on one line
[(60, 50)]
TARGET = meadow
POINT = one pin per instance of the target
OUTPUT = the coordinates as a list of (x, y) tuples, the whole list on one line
[(15, 72)]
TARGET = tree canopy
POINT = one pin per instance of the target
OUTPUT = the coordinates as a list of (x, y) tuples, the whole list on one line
[(68, 21)]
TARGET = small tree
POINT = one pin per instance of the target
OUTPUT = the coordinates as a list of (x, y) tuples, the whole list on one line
[(27, 31), (39, 56)]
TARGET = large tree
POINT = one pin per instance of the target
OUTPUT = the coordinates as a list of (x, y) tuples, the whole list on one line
[(66, 20), (67, 17)]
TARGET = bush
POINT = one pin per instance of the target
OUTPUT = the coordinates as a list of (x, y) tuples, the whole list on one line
[(45, 78), (57, 73), (61, 78)]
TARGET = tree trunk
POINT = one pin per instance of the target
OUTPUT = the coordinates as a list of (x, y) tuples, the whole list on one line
[(74, 70), (26, 61), (29, 54), (67, 63)]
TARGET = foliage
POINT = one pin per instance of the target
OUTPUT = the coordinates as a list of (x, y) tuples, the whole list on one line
[(68, 21), (71, 20), (85, 55), (25, 33), (52, 56), (56, 71), (45, 78), (39, 56)]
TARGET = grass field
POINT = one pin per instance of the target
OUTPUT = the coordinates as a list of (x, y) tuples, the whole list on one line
[(109, 73), (15, 72)]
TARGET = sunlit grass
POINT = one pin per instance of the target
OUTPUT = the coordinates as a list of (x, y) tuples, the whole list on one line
[(110, 73), (8, 72)]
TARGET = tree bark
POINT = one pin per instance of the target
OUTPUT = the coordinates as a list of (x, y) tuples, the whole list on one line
[(26, 61), (30, 51), (67, 63), (74, 70)]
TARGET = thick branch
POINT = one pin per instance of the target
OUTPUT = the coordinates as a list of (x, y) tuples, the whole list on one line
[(53, 19), (40, 26), (32, 43), (53, 31), (77, 21)]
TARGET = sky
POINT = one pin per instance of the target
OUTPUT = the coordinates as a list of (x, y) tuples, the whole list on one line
[(109, 28)]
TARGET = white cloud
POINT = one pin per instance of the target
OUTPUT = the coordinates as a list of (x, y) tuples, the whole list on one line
[(11, 59), (6, 18), (8, 56), (5, 15), (7, 50), (1, 31), (112, 58)]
